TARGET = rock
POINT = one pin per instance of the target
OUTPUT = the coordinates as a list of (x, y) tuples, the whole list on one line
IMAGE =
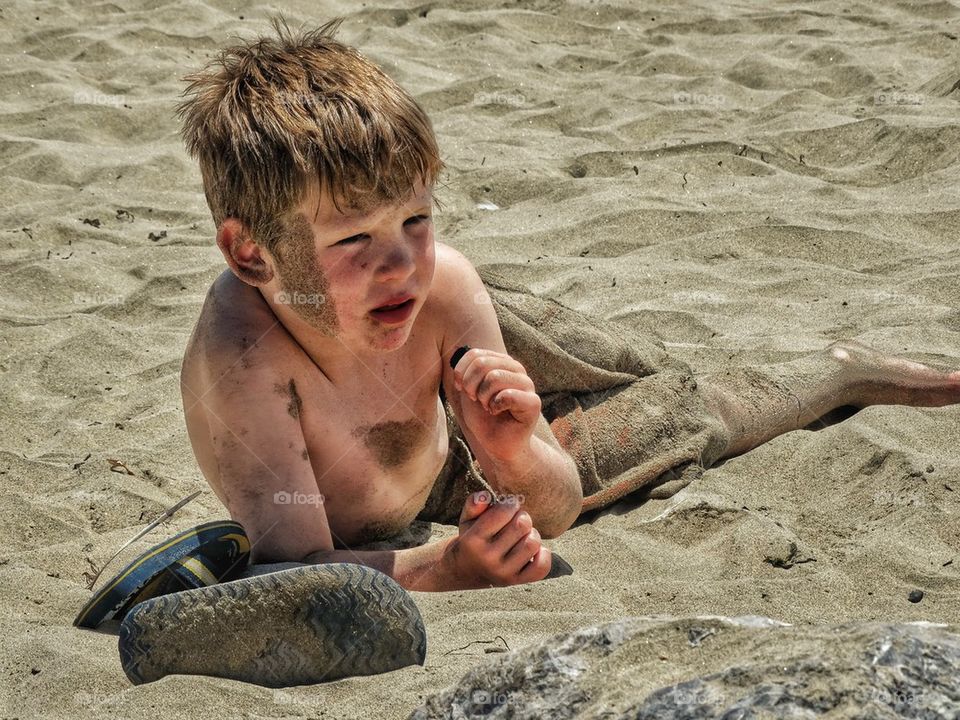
[(716, 667), (915, 596)]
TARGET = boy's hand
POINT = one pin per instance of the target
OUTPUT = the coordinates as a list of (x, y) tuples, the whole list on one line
[(499, 401), (497, 545)]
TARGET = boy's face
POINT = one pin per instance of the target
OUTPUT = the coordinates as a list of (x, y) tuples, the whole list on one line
[(338, 270)]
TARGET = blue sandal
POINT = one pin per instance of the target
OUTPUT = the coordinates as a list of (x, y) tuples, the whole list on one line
[(205, 555)]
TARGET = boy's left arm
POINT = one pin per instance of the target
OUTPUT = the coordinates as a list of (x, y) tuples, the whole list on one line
[(497, 406)]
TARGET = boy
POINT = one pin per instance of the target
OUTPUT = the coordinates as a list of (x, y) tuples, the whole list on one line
[(312, 383)]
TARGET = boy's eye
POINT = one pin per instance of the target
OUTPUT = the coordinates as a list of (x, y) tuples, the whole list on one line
[(364, 236), (352, 239)]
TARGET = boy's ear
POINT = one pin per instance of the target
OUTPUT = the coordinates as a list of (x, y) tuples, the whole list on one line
[(246, 259)]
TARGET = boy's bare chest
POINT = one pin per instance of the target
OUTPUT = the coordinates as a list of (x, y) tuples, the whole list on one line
[(378, 428), (375, 451)]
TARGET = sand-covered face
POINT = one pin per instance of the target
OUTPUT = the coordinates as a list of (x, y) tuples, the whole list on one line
[(303, 284), (359, 276)]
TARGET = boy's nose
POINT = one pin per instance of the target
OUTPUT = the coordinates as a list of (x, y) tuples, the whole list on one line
[(397, 263)]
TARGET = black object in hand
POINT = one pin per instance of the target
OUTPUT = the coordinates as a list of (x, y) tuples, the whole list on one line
[(558, 567), (457, 354)]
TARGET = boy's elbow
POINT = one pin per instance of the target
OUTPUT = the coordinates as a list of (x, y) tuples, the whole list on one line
[(561, 523), (570, 509), (555, 530), (318, 557)]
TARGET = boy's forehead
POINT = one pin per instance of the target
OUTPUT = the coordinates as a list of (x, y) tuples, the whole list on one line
[(320, 208)]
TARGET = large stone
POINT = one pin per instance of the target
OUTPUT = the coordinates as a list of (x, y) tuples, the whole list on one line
[(712, 667)]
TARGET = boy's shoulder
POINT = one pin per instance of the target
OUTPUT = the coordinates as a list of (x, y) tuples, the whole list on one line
[(464, 313), (236, 327), (457, 287)]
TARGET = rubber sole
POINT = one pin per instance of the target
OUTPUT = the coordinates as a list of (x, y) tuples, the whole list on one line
[(300, 626)]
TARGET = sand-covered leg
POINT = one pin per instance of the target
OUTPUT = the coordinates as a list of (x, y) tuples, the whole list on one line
[(882, 379), (303, 625), (759, 403)]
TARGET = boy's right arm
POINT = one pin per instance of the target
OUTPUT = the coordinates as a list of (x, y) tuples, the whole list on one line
[(259, 447), (260, 455)]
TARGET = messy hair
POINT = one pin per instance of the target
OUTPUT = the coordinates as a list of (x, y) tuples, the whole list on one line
[(271, 118)]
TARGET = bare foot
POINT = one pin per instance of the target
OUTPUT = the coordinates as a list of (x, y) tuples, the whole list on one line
[(882, 379)]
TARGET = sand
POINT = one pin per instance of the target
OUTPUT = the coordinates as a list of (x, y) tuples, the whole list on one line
[(745, 184)]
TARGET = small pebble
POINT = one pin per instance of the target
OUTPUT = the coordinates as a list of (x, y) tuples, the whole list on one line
[(915, 596)]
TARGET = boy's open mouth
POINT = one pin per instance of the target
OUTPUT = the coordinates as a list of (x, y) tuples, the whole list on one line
[(394, 307), (394, 312)]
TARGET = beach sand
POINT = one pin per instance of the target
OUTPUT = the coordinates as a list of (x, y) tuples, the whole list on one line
[(747, 185)]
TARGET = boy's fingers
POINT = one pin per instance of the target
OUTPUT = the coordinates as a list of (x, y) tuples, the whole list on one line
[(460, 360), (475, 505), (494, 519), (512, 532), (483, 365), (524, 406), (499, 379), (524, 549), (537, 569), (477, 363)]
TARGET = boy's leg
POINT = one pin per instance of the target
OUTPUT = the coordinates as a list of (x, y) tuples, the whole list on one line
[(756, 404)]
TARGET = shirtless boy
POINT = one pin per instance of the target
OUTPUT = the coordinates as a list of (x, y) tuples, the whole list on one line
[(310, 384)]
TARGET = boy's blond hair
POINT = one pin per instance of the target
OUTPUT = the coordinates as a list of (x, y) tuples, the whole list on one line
[(272, 117)]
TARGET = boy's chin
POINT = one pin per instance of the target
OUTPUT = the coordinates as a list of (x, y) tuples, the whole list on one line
[(389, 341), (375, 340), (384, 338)]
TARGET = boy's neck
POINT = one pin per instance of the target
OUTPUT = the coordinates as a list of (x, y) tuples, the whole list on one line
[(341, 364)]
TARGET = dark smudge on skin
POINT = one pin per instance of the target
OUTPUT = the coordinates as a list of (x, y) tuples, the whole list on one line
[(295, 404), (301, 277), (390, 524), (392, 442), (380, 530), (252, 494)]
